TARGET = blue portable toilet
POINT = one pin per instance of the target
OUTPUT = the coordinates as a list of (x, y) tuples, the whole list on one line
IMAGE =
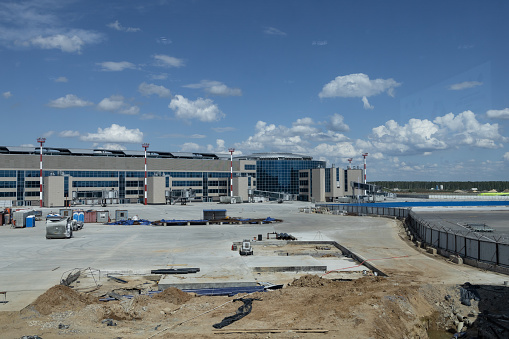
[(75, 215), (81, 217), (30, 221)]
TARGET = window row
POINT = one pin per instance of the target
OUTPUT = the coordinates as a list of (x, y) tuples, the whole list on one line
[(95, 184)]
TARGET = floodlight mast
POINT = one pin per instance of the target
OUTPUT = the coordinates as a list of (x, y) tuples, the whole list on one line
[(231, 150), (41, 141), (350, 163), (145, 146)]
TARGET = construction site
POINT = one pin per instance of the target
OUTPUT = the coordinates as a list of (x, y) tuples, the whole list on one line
[(258, 270)]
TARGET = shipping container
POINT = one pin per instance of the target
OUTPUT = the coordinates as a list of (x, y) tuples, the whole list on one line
[(90, 216), (120, 215), (103, 216)]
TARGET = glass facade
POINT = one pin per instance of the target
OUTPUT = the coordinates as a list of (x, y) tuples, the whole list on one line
[(282, 175)]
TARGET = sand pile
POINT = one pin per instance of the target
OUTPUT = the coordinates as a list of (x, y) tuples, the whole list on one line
[(173, 295), (61, 298)]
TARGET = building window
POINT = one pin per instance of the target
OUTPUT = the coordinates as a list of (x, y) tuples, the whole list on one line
[(249, 167)]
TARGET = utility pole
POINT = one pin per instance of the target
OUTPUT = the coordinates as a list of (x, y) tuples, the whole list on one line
[(231, 150), (364, 156), (145, 146), (40, 141)]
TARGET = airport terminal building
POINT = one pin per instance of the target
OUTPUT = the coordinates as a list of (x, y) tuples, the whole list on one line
[(94, 176)]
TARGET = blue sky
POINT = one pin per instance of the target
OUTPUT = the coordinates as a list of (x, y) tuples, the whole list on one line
[(422, 86)]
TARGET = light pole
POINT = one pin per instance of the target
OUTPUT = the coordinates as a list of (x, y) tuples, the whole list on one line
[(364, 155), (350, 163), (145, 146), (40, 141), (231, 150)]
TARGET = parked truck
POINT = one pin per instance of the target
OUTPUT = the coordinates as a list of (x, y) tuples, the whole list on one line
[(246, 248)]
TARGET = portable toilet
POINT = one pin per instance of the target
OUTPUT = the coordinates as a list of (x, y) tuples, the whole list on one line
[(76, 215), (30, 221), (120, 215), (81, 217)]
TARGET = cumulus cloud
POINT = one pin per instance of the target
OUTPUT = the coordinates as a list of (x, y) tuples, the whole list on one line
[(70, 100), (464, 85), (168, 61), (114, 134), (202, 109), (117, 104), (113, 66), (337, 124), (117, 26), (149, 89), (216, 88), (219, 147), (69, 134), (273, 31), (190, 147), (358, 86), (296, 138), (420, 136), (7, 94), (498, 114)]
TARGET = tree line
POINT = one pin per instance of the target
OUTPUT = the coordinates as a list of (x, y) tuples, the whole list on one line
[(415, 186)]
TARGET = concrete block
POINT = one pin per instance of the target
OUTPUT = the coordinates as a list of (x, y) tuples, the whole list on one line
[(432, 250), (456, 259), (418, 244)]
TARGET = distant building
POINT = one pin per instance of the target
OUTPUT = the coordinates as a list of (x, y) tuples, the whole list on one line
[(329, 184)]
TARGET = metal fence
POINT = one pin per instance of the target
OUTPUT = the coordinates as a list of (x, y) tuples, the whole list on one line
[(469, 245), (367, 209)]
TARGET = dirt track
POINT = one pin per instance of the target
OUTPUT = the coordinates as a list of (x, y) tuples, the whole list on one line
[(414, 300)]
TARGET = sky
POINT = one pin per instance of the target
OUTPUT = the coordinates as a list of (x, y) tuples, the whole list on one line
[(421, 86)]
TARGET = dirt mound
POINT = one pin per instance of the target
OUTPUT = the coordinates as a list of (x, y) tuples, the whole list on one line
[(173, 295), (60, 298), (310, 281)]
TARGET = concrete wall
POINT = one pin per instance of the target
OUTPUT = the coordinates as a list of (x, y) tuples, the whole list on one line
[(156, 190), (240, 188), (53, 191)]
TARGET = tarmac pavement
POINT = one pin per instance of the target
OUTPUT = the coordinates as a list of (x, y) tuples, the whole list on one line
[(30, 263)]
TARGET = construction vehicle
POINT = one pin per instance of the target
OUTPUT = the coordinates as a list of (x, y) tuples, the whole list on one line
[(246, 248), (58, 227)]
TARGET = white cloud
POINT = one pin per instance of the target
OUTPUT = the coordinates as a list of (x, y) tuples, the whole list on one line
[(113, 66), (39, 24), (296, 138), (216, 88), (160, 76), (273, 31), (117, 104), (61, 79), (358, 86), (498, 114), (48, 134), (202, 109), (223, 129), (7, 94), (149, 89), (114, 134), (319, 43), (366, 103), (117, 26), (218, 148), (163, 40), (422, 136), (168, 61), (506, 156), (464, 85), (69, 134), (190, 147), (68, 42), (70, 100)]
